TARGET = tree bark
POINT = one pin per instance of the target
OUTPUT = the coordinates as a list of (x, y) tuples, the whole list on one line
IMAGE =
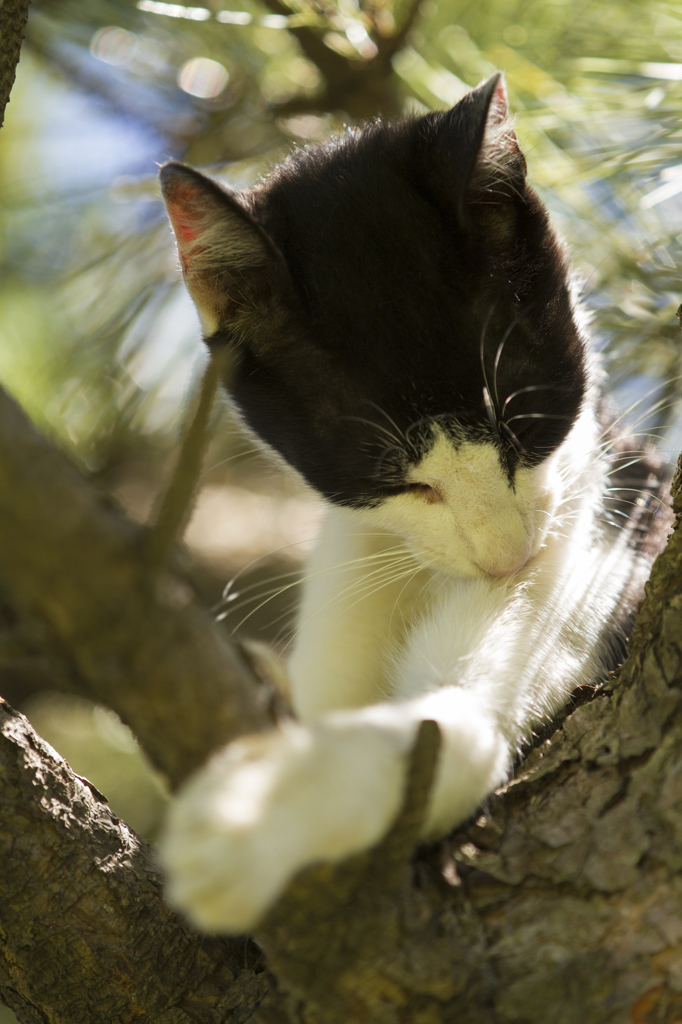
[(85, 935), (13, 18)]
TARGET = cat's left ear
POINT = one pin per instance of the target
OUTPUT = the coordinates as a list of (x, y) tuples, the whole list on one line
[(476, 155), (228, 261)]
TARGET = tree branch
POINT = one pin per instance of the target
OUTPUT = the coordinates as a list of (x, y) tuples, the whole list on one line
[(13, 18), (322, 937), (85, 935), (363, 88), (134, 640), (178, 500)]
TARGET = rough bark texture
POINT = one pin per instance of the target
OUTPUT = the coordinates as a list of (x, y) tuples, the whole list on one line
[(85, 935), (13, 18), (133, 640)]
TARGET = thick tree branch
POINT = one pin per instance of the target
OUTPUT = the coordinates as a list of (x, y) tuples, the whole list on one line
[(85, 935), (135, 640), (13, 18)]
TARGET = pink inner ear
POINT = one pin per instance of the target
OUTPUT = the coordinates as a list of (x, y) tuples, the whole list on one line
[(183, 221), (183, 208), (498, 114), (498, 110)]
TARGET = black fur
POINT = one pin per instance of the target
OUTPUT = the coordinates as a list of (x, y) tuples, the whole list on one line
[(419, 282)]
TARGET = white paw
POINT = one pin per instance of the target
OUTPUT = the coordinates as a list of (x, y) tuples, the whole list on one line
[(270, 804)]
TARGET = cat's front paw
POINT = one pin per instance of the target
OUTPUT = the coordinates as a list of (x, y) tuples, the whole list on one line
[(270, 804)]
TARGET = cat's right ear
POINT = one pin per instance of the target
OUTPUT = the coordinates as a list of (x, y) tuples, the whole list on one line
[(229, 263)]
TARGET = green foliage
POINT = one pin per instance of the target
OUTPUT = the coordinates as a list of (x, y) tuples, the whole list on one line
[(95, 337)]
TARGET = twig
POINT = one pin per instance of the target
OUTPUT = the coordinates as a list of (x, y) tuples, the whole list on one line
[(336, 920), (177, 503)]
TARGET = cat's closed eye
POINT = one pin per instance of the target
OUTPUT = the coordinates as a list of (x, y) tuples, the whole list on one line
[(425, 491)]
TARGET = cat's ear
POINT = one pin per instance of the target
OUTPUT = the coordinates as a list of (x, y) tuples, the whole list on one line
[(229, 263), (477, 155)]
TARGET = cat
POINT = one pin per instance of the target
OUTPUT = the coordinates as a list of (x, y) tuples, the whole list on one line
[(403, 334)]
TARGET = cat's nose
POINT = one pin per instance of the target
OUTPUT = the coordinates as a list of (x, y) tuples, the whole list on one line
[(503, 555), (504, 569)]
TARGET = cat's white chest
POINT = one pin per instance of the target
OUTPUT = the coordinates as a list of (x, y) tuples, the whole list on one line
[(362, 595)]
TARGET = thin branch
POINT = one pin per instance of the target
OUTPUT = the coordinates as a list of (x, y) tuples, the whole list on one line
[(177, 503), (389, 45), (332, 65), (363, 88), (334, 917)]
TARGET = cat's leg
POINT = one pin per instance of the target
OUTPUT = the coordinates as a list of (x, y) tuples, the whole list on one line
[(360, 586), (268, 805)]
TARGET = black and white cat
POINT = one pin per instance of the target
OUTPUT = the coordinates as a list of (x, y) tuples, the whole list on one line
[(404, 336)]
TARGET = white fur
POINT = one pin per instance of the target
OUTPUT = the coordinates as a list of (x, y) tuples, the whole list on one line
[(481, 610)]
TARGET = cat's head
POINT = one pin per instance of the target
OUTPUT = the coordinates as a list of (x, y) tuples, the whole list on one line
[(402, 327)]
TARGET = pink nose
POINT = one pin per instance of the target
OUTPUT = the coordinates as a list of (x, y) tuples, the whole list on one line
[(504, 566), (503, 570)]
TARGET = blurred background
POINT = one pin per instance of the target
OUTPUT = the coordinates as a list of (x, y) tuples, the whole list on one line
[(99, 341)]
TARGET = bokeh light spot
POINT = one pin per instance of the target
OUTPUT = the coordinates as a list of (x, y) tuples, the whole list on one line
[(515, 35), (274, 21), (175, 10), (203, 78), (234, 17), (113, 45)]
